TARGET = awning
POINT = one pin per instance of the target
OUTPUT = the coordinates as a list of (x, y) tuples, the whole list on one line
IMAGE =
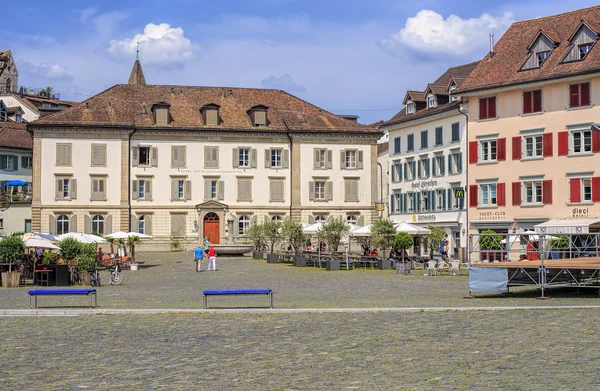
[(568, 226)]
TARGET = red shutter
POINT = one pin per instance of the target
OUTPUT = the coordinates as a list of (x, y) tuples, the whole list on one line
[(595, 141), (596, 189), (547, 144), (574, 95), (516, 147), (500, 194), (537, 101), (492, 107), (516, 193), (473, 147), (575, 190), (584, 93), (473, 195), (483, 108), (527, 109), (547, 192), (563, 143), (501, 153)]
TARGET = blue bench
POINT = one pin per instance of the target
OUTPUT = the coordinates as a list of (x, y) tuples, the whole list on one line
[(224, 292), (64, 292)]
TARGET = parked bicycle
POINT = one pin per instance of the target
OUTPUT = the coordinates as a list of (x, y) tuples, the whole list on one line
[(116, 277), (95, 277)]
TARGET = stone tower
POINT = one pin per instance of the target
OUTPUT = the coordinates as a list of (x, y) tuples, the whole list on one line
[(9, 76)]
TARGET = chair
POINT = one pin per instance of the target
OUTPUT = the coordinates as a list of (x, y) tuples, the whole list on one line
[(431, 269), (443, 266), (416, 264), (554, 254), (463, 266), (454, 268)]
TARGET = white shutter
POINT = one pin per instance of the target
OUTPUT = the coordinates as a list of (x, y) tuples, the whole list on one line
[(154, 159), (311, 191), (253, 158), (187, 188), (135, 156), (329, 190), (220, 190), (73, 189), (235, 154), (342, 160), (285, 157), (329, 159), (267, 158), (207, 189), (134, 190), (359, 158)]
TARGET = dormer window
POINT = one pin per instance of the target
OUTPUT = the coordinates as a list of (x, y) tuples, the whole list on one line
[(584, 50), (18, 117), (162, 116), (430, 101), (410, 107), (453, 98), (258, 116), (3, 112), (210, 114), (541, 57)]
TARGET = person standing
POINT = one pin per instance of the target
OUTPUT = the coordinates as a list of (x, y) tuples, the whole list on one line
[(444, 248), (212, 258), (198, 254)]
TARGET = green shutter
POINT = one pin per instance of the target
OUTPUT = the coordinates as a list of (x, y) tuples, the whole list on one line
[(444, 205), (449, 164), (459, 162)]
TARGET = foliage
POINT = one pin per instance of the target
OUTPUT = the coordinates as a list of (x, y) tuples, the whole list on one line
[(47, 92), (86, 263), (49, 258), (121, 244), (256, 235), (332, 233), (292, 231), (132, 240), (402, 241), (434, 239), (70, 249), (560, 243), (175, 242), (88, 250), (272, 232), (490, 240), (12, 249), (112, 242), (383, 233)]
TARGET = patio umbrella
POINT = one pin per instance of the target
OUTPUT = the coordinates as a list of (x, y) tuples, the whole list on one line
[(126, 235), (139, 235), (83, 238), (362, 231), (411, 229), (50, 237), (313, 228), (15, 182), (40, 243)]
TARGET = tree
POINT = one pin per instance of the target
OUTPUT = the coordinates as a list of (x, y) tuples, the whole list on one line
[(292, 231), (382, 234), (402, 241), (489, 240), (257, 235), (332, 233), (47, 91), (111, 241), (12, 249), (132, 240), (272, 231), (70, 249), (434, 240)]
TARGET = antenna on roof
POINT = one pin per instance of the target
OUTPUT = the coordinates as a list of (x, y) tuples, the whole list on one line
[(137, 50), (492, 45)]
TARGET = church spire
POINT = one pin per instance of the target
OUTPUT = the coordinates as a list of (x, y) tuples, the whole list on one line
[(137, 75)]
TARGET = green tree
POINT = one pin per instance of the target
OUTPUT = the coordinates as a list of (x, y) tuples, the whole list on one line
[(12, 249), (257, 235), (434, 239), (332, 233), (70, 249), (292, 231), (272, 231), (402, 241), (382, 234), (111, 241), (132, 240)]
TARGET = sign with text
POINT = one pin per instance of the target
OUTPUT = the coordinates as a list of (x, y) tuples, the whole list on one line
[(492, 215), (459, 192), (581, 212), (424, 184)]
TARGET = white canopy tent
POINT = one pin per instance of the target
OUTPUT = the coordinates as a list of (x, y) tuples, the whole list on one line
[(83, 238), (126, 235), (362, 231), (34, 242), (312, 228), (410, 229)]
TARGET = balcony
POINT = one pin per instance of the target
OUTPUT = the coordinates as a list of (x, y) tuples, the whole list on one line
[(19, 197)]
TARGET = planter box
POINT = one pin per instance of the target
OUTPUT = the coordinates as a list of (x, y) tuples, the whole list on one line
[(272, 258), (299, 260), (10, 280), (332, 265), (133, 266), (258, 255), (402, 268), (384, 264)]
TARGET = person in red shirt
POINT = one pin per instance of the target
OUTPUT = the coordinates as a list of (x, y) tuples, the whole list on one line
[(373, 252), (212, 258)]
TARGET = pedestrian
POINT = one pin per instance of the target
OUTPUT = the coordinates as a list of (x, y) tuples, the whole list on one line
[(198, 254), (444, 248), (206, 243), (212, 258)]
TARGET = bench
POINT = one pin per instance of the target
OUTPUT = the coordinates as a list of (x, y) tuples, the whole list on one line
[(63, 292), (224, 292)]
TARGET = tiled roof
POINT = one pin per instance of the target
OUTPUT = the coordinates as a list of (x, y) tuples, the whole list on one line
[(415, 96), (401, 116), (437, 89), (503, 69), (13, 135), (376, 124), (33, 99), (123, 104), (460, 71), (383, 147), (13, 109), (137, 75)]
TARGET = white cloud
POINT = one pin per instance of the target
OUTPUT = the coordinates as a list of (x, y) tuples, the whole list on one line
[(283, 82), (106, 23), (160, 45), (52, 72), (86, 14), (430, 34)]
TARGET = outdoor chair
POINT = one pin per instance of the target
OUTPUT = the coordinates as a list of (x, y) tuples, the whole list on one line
[(416, 264), (431, 269), (454, 268), (443, 267), (554, 254), (463, 266)]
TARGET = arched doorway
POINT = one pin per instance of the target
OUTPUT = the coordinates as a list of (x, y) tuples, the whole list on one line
[(212, 227)]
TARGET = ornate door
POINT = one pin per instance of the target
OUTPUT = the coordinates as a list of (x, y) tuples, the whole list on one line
[(212, 228)]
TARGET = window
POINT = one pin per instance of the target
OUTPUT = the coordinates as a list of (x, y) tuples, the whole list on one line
[(275, 157), (533, 192), (410, 107), (62, 225), (396, 172), (541, 57), (455, 132), (438, 165), (453, 98), (487, 107), (579, 95), (424, 140), (144, 156), (211, 157), (396, 145), (488, 150), (260, 118), (63, 154), (350, 159), (409, 168), (320, 190), (180, 191), (411, 202), (66, 188), (533, 145), (26, 162), (581, 141), (352, 219), (142, 224), (98, 154), (276, 189), (430, 101), (454, 163), (351, 190), (321, 156), (586, 189), (487, 194), (410, 143), (582, 189), (439, 136), (423, 167), (243, 224), (213, 189), (532, 102), (1, 223), (3, 113), (98, 189), (584, 50), (98, 224), (244, 189), (8, 163), (277, 218), (440, 196), (210, 114), (18, 117), (244, 157), (320, 219), (425, 204), (142, 189), (178, 156)]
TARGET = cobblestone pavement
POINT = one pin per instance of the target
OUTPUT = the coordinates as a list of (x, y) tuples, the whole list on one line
[(549, 349), (169, 280)]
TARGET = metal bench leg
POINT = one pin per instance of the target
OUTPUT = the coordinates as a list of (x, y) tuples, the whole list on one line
[(203, 302), (271, 299)]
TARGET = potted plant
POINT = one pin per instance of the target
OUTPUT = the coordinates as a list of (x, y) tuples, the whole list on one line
[(434, 239), (12, 249), (86, 263), (383, 233), (402, 241), (49, 258), (489, 242), (292, 231), (257, 236), (132, 240), (332, 233), (272, 232), (175, 242)]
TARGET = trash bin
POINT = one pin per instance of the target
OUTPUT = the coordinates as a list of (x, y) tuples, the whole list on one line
[(332, 265)]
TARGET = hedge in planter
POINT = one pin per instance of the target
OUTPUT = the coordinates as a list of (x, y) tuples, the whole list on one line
[(490, 241), (12, 249)]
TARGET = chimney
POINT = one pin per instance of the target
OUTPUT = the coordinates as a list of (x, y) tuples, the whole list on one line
[(491, 45)]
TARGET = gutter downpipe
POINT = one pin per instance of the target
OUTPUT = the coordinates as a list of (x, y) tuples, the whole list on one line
[(129, 177), (466, 185), (381, 184)]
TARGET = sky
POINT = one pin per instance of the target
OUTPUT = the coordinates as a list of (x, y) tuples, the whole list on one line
[(347, 57)]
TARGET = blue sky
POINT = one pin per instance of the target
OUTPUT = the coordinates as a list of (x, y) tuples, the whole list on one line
[(349, 57)]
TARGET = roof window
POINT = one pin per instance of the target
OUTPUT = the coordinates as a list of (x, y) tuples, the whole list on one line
[(258, 115), (210, 114), (584, 50)]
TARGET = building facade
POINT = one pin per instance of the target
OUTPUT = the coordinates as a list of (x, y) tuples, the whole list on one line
[(534, 142), (195, 162), (426, 160)]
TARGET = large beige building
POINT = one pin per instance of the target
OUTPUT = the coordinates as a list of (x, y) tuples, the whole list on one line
[(534, 141), (194, 162)]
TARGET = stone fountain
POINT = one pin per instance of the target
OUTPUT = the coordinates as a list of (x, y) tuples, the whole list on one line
[(230, 248)]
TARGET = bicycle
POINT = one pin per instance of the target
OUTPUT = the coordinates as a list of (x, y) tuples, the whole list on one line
[(95, 277), (116, 277)]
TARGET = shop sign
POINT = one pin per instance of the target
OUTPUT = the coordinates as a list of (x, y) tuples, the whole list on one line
[(581, 212), (492, 215), (424, 184), (424, 218)]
